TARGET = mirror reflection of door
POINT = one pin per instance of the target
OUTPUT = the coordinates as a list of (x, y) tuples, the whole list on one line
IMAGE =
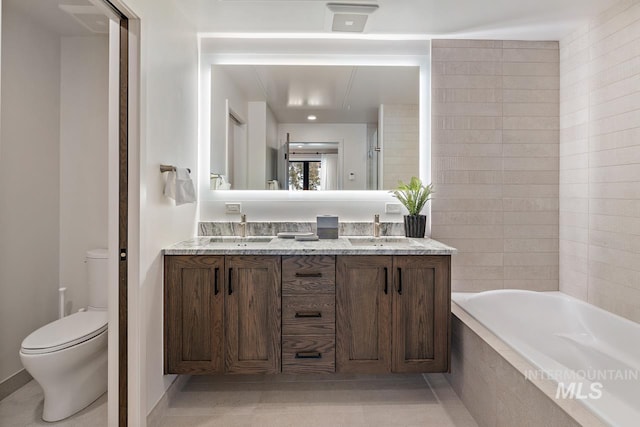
[(237, 152), (373, 159)]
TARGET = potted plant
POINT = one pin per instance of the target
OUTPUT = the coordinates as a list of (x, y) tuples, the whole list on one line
[(414, 196)]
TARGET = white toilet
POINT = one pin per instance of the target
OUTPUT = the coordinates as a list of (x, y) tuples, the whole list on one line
[(68, 357)]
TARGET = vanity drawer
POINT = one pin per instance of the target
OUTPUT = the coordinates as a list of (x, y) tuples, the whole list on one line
[(311, 274), (309, 315), (308, 354)]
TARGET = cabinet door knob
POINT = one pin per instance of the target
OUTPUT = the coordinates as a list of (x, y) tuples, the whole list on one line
[(230, 282), (399, 281), (308, 355)]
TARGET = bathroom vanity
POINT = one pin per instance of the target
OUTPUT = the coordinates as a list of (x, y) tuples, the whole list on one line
[(269, 305)]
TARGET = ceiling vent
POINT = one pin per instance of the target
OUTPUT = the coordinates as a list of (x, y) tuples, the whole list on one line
[(350, 17)]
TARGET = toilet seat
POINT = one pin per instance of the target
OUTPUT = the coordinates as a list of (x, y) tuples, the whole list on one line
[(66, 332)]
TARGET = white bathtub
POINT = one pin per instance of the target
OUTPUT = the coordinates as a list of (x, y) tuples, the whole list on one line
[(569, 341)]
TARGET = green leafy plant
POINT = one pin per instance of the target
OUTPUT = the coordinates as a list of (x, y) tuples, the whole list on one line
[(413, 195)]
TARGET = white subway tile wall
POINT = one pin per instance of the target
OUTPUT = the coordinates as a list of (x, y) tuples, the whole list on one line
[(495, 151), (600, 161)]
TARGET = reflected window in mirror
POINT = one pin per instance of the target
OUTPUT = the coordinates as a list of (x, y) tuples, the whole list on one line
[(312, 166), (304, 175)]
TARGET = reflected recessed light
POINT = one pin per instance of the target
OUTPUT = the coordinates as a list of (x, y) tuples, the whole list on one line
[(311, 117)]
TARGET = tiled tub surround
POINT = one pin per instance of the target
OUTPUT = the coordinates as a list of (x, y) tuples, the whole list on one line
[(495, 161), (272, 228), (573, 338), (600, 161), (489, 377)]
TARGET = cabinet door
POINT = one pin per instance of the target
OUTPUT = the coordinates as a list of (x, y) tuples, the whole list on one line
[(193, 318), (363, 314), (252, 314), (421, 301)]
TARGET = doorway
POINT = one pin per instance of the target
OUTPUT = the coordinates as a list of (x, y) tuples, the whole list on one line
[(237, 151), (65, 145)]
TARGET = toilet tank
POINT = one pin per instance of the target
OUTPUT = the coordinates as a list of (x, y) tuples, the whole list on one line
[(97, 260)]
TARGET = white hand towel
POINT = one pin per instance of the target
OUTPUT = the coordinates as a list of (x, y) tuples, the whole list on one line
[(170, 185), (185, 190), (179, 187)]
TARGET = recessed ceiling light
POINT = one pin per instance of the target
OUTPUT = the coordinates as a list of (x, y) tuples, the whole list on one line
[(311, 117)]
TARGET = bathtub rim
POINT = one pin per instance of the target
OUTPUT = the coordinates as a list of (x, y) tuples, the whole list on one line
[(578, 412)]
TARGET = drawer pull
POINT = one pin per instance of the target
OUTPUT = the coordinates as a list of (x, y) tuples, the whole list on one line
[(308, 355), (307, 314), (308, 274)]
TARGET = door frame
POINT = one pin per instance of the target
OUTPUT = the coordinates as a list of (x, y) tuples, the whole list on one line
[(124, 65)]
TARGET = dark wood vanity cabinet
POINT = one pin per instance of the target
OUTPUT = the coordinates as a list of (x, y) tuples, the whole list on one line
[(392, 314), (421, 311), (193, 312), (308, 314), (252, 314), (249, 314), (363, 314), (222, 314)]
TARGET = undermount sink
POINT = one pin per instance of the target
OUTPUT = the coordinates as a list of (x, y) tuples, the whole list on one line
[(241, 241), (381, 241)]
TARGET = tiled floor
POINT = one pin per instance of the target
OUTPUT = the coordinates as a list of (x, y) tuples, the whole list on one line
[(24, 408), (327, 401), (278, 401)]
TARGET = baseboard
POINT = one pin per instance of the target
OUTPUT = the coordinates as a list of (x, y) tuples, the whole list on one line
[(13, 383), (154, 418)]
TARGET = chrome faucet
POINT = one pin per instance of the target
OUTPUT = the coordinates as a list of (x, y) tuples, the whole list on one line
[(243, 225), (376, 225)]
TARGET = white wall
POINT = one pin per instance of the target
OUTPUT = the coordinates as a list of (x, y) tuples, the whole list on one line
[(168, 134), (353, 139), (29, 183), (600, 161), (84, 80)]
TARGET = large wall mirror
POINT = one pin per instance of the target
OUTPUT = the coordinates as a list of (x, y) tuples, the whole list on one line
[(313, 127)]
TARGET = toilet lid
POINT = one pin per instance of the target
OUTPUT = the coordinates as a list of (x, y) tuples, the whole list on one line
[(66, 332)]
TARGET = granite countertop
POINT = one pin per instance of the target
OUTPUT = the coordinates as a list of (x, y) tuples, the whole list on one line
[(346, 245)]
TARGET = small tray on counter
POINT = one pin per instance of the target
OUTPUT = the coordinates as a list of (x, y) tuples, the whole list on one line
[(294, 234)]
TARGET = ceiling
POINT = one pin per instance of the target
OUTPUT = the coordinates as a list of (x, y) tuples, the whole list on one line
[(486, 19), (85, 19), (334, 94), (481, 19)]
